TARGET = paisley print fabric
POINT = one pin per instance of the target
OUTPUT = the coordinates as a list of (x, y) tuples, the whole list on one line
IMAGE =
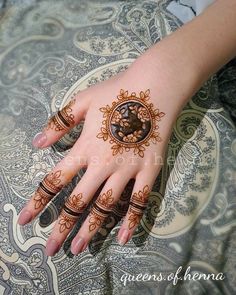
[(50, 50)]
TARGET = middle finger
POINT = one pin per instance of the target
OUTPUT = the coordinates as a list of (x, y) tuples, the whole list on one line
[(74, 206)]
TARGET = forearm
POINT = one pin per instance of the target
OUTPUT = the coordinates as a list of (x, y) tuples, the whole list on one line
[(209, 41), (189, 56)]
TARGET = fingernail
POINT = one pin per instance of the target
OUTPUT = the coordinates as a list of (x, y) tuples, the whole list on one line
[(123, 237), (78, 246), (52, 247), (39, 140), (24, 217)]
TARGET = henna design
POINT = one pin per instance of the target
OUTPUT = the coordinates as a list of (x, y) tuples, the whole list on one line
[(101, 209), (138, 203), (130, 123), (63, 119), (121, 206), (47, 189), (73, 207), (66, 222)]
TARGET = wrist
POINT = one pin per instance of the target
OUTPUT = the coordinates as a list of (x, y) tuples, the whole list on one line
[(171, 78)]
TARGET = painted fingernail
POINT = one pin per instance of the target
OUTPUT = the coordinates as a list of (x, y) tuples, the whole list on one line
[(39, 140), (24, 217), (78, 246), (52, 247), (123, 237)]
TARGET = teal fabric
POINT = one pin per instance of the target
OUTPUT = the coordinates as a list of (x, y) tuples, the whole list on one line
[(49, 50)]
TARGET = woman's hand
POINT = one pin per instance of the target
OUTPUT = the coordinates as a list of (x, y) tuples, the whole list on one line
[(127, 124), (128, 121)]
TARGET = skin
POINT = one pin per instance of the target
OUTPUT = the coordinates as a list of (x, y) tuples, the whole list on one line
[(89, 152), (215, 40)]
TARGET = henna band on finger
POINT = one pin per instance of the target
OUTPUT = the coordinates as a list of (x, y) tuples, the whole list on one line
[(138, 204), (101, 209), (75, 205), (72, 209), (47, 189), (63, 120)]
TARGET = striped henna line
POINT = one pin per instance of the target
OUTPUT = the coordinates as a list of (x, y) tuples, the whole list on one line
[(71, 211), (63, 120), (100, 210), (48, 188), (138, 204)]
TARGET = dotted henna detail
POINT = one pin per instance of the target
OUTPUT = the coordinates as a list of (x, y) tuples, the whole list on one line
[(72, 209), (63, 120), (138, 203), (100, 210), (130, 123), (47, 189)]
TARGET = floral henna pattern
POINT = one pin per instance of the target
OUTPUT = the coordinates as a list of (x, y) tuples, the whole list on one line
[(65, 222), (63, 119), (100, 210), (130, 123), (47, 189), (138, 203), (73, 207), (121, 207)]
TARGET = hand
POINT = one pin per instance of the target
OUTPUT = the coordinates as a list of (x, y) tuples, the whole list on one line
[(127, 124), (172, 70)]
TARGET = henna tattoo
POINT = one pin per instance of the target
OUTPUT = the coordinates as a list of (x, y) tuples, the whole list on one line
[(121, 206), (72, 209), (138, 203), (130, 123), (101, 209), (66, 222), (63, 119), (47, 189)]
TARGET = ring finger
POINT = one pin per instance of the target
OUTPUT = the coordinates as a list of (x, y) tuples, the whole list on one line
[(138, 203), (100, 210)]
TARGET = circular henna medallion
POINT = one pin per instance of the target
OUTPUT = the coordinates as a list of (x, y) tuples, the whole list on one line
[(130, 123)]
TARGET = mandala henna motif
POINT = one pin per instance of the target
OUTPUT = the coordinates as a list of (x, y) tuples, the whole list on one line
[(47, 189), (100, 210), (73, 207), (138, 203), (63, 119), (130, 123)]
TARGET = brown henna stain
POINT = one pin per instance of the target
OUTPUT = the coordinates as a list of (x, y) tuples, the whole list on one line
[(47, 189), (72, 209), (63, 120), (100, 210), (130, 123), (138, 203)]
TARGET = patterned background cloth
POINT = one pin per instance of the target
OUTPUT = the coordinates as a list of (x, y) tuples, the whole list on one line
[(49, 50)]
